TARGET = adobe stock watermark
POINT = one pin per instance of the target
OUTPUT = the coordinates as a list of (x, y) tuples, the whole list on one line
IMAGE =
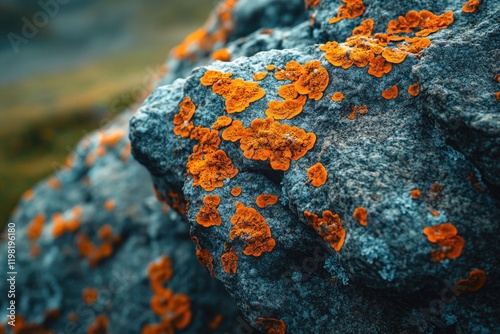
[(31, 27)]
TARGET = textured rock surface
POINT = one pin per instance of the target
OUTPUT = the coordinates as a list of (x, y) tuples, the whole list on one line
[(442, 142), (57, 277)]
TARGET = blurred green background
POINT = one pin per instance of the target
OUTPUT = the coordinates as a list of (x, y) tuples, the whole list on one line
[(83, 64)]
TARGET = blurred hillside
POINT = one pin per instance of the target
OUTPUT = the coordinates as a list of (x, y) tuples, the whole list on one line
[(86, 62)]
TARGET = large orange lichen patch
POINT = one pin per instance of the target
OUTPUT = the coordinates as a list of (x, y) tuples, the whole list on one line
[(361, 215), (208, 165), (267, 139), (351, 9), (390, 93), (229, 262), (237, 93), (271, 325), (445, 236), (209, 215), (476, 280), (329, 227), (313, 80), (175, 310), (182, 120), (317, 174), (251, 227), (264, 200)]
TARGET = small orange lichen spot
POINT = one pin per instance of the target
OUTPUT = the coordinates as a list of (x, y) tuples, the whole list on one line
[(497, 96), (222, 55), (260, 75), (105, 232), (337, 96), (90, 295), (317, 174), (113, 138), (54, 183), (222, 122), (229, 261), (236, 191), (127, 149), (264, 200), (59, 225), (313, 80), (177, 202), (310, 4), (109, 204), (271, 325), (251, 227), (160, 272), (209, 215), (361, 215), (28, 195), (414, 89), (215, 322), (379, 67), (35, 228), (204, 256), (445, 236), (35, 251), (286, 109), (395, 56), (435, 213), (237, 93), (390, 93), (292, 72), (357, 110), (73, 317), (280, 143), (329, 227), (435, 190), (99, 326), (415, 193), (182, 120), (476, 280), (270, 67), (351, 9)]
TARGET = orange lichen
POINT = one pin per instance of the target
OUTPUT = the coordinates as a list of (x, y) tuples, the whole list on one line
[(414, 89), (99, 326), (127, 149), (95, 254), (54, 183), (317, 174), (351, 9), (497, 96), (177, 202), (21, 327), (204, 256), (264, 200), (271, 325), (35, 251), (215, 322), (357, 110), (435, 190), (476, 184), (313, 80), (222, 122), (260, 75), (237, 93), (90, 295), (100, 151), (404, 24), (236, 191), (111, 139), (28, 195), (109, 205), (415, 193), (35, 228), (222, 55), (270, 67), (292, 72), (310, 4), (267, 139), (395, 56), (251, 227), (476, 280), (365, 29), (379, 67), (160, 272), (229, 262), (329, 227), (431, 23), (337, 96), (445, 236), (209, 215), (435, 213), (286, 109), (390, 93), (361, 215), (182, 120)]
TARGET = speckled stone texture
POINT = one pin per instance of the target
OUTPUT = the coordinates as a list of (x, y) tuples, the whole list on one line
[(443, 142)]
